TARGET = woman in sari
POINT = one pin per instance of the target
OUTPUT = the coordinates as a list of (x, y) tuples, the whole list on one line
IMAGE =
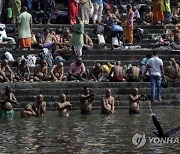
[(128, 25), (73, 10), (84, 9), (157, 12)]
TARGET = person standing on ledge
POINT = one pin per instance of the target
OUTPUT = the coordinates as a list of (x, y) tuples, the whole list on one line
[(77, 39), (134, 99), (6, 102), (107, 103), (40, 106), (86, 101), (24, 26), (156, 71), (64, 106), (128, 25)]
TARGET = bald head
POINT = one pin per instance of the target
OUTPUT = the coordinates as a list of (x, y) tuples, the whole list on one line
[(108, 93), (40, 97), (118, 63), (60, 64), (62, 97), (135, 90)]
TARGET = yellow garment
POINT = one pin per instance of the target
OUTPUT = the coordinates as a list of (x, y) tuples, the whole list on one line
[(128, 32), (157, 11), (166, 6), (106, 68)]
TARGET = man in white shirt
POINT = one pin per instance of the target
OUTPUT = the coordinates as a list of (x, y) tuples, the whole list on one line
[(156, 71)]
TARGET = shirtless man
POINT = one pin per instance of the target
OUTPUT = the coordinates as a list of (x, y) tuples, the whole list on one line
[(40, 106), (66, 36), (86, 101), (6, 102), (21, 71), (49, 40), (3, 67), (88, 43), (27, 112), (96, 74), (134, 99), (107, 103), (41, 72), (57, 72), (64, 106), (172, 70), (134, 72), (147, 17), (176, 38), (117, 72)]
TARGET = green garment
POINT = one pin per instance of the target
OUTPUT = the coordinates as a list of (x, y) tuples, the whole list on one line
[(6, 114), (24, 20), (16, 9), (77, 38), (166, 6)]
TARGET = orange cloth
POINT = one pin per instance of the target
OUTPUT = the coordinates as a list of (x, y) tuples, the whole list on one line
[(25, 42), (128, 32), (157, 11)]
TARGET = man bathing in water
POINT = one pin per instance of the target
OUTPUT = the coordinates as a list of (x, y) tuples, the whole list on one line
[(64, 106), (27, 112), (40, 106), (117, 72), (3, 67), (41, 72), (6, 102), (107, 103), (57, 72), (134, 99), (86, 101), (21, 71)]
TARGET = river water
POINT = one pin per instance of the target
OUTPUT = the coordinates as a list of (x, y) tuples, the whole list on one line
[(90, 134)]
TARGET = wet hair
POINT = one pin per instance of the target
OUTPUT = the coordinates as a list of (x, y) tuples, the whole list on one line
[(46, 30), (8, 89), (148, 55), (24, 9), (155, 52), (129, 6), (59, 31)]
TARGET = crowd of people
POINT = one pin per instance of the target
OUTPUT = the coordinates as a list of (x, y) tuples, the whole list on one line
[(118, 21), (77, 71), (63, 106)]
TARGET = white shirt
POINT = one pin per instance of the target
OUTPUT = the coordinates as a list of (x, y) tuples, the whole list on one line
[(155, 63)]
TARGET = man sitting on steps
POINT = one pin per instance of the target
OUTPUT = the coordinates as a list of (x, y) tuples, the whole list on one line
[(41, 72), (77, 71), (4, 66)]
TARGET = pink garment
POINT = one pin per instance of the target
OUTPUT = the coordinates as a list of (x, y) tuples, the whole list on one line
[(76, 70), (130, 18)]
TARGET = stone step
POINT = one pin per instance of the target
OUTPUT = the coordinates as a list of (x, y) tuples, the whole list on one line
[(95, 52), (97, 91), (70, 84)]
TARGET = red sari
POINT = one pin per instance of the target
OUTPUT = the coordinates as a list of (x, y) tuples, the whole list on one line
[(72, 11)]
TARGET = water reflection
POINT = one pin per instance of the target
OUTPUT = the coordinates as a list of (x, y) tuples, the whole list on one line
[(81, 134)]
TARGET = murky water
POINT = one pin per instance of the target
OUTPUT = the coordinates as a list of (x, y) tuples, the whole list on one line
[(95, 133)]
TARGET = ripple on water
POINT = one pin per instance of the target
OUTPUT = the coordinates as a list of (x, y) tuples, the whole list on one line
[(94, 133)]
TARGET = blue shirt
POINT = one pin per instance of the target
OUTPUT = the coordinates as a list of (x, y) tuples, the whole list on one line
[(97, 1)]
